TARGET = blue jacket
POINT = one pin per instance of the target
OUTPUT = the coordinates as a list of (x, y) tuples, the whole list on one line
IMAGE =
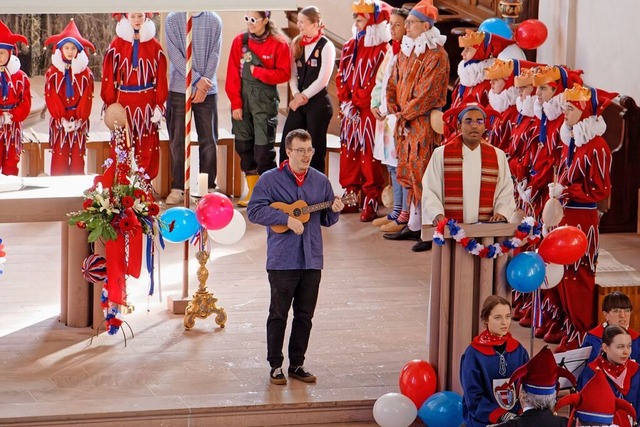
[(288, 251), (478, 370)]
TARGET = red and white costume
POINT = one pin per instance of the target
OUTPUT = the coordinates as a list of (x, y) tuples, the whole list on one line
[(472, 86), (134, 74), (15, 102), (68, 93), (584, 180), (361, 57)]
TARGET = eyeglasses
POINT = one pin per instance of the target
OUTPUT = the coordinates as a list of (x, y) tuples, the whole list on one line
[(470, 122), (620, 310), (411, 22), (251, 19), (303, 151)]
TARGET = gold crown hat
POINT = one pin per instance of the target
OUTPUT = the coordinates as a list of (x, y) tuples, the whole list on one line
[(500, 69), (471, 38), (577, 93), (363, 6), (545, 75), (524, 79)]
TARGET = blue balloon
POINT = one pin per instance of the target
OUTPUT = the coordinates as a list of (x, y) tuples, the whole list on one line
[(526, 271), (178, 224), (496, 26), (442, 409)]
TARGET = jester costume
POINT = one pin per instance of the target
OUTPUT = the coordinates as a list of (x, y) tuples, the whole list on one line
[(68, 93), (15, 102), (361, 57), (134, 74)]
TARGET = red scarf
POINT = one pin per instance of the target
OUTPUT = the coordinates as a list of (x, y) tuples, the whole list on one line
[(299, 176), (395, 46), (306, 40), (619, 375), (453, 197), (486, 342)]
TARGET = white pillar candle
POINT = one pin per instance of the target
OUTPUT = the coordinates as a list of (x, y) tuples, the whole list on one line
[(203, 183)]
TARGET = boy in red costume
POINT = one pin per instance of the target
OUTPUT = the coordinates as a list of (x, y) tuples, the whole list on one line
[(68, 92), (134, 74), (584, 180), (15, 101), (359, 63)]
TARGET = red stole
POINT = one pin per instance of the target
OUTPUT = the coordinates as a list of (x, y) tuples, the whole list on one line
[(453, 197)]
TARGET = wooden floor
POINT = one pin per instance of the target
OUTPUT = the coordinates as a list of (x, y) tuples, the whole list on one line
[(370, 320)]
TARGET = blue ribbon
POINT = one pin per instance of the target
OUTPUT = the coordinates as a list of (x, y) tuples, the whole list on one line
[(519, 119), (5, 85), (572, 148), (68, 81), (150, 261), (136, 46), (543, 129)]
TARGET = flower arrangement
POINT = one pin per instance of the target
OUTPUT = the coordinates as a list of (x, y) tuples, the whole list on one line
[(529, 231), (126, 204), (118, 210)]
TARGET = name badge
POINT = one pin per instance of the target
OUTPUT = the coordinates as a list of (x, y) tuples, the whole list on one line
[(313, 62)]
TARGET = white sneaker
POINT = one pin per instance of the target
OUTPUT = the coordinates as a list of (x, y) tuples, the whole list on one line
[(175, 197)]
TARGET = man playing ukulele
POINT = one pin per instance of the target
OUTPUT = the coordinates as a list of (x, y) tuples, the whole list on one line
[(294, 258)]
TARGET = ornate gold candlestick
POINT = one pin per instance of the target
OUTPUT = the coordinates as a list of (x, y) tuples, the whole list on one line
[(203, 303)]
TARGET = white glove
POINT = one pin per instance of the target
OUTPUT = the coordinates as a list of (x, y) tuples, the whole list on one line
[(7, 118), (68, 125), (555, 190), (157, 115), (507, 416)]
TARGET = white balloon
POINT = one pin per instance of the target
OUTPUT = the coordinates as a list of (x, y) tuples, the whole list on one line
[(233, 232), (394, 410), (512, 52), (555, 273)]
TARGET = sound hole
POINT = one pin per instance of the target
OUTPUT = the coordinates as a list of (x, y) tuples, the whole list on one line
[(297, 212)]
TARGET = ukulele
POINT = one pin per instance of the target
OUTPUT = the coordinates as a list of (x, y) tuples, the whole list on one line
[(302, 212)]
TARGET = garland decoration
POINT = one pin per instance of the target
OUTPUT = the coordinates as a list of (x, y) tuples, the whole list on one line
[(529, 231)]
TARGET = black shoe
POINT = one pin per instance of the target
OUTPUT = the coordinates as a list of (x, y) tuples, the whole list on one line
[(404, 234), (301, 374), (422, 246), (276, 376)]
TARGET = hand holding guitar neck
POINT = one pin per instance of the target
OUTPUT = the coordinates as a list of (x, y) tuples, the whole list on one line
[(300, 212)]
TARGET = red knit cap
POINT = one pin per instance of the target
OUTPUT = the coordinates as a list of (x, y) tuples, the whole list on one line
[(425, 11), (8, 39), (590, 101), (487, 45), (540, 374), (375, 11)]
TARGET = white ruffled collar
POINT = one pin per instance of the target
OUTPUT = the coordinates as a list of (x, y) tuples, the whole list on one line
[(554, 107), (583, 131), (13, 66), (377, 34), (525, 107), (429, 39), (125, 31), (473, 74), (78, 64), (503, 100)]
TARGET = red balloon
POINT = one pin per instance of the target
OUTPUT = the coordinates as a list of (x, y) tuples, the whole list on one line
[(214, 211), (418, 381), (531, 34), (563, 245)]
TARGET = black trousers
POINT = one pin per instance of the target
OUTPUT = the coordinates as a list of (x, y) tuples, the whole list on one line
[(205, 117), (314, 117), (300, 289)]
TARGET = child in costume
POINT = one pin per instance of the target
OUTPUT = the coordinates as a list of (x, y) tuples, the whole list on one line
[(68, 93)]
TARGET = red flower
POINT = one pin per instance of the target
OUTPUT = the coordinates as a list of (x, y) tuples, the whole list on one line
[(139, 194), (127, 201), (154, 209), (81, 225), (464, 241), (126, 224), (87, 204)]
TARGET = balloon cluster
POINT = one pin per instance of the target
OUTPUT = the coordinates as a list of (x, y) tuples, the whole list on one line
[(214, 212), (564, 245), (417, 397), (529, 34)]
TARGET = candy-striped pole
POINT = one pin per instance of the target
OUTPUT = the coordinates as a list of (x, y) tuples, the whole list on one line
[(187, 147)]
